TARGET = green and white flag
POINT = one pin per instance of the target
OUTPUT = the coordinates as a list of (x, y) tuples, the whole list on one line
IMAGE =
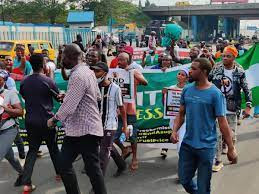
[(250, 62)]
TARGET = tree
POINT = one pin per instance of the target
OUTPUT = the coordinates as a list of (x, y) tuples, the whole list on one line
[(139, 4), (147, 3)]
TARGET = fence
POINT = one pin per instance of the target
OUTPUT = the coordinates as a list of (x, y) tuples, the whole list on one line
[(56, 34)]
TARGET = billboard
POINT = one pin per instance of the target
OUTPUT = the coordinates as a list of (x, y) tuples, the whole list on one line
[(229, 1)]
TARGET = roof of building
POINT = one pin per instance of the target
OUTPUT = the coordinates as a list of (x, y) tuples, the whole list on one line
[(80, 16)]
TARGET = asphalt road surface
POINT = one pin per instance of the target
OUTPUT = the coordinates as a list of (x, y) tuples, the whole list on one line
[(155, 175)]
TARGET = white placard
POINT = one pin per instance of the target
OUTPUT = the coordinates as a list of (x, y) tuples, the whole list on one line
[(172, 102), (125, 79)]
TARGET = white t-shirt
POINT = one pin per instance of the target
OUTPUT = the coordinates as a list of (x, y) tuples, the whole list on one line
[(135, 65), (51, 66), (227, 90), (10, 98), (10, 83)]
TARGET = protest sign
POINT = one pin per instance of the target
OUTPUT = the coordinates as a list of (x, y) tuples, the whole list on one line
[(125, 79), (172, 102)]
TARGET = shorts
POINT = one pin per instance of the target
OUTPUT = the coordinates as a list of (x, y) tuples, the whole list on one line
[(131, 120)]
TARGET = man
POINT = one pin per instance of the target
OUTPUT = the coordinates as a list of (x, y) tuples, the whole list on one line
[(31, 51), (201, 103), (194, 53), (79, 42), (99, 41), (49, 65), (21, 66), (82, 123), (230, 78), (98, 48), (10, 109), (133, 65), (38, 91), (8, 61), (119, 49), (151, 59), (152, 40), (10, 85), (93, 57), (124, 63), (110, 103)]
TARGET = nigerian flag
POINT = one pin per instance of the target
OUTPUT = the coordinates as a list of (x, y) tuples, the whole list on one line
[(250, 62)]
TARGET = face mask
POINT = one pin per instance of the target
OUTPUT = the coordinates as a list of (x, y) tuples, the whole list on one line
[(100, 79), (1, 89)]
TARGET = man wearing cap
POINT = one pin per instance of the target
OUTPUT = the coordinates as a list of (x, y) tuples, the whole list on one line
[(133, 65), (10, 108), (111, 101), (21, 66), (230, 78)]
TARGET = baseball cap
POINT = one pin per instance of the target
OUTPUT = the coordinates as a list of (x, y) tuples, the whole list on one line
[(100, 66), (129, 50)]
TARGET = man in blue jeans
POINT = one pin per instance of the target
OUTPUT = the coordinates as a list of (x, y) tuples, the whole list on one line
[(201, 103)]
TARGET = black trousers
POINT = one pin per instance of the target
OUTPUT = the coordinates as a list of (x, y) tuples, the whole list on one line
[(36, 136), (88, 146)]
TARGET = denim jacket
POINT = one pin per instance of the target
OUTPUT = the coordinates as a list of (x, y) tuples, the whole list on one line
[(239, 82)]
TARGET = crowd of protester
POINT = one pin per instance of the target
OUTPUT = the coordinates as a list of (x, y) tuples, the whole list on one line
[(89, 116)]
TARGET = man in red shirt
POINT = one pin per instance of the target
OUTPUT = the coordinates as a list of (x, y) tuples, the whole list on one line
[(120, 49)]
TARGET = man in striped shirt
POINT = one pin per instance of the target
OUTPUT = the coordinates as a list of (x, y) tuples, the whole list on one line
[(110, 103), (82, 123)]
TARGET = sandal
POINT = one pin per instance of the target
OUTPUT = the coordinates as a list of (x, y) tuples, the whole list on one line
[(134, 166), (28, 188)]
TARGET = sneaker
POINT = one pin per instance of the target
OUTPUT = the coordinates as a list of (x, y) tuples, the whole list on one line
[(224, 148), (29, 188), (18, 181), (217, 166), (256, 116)]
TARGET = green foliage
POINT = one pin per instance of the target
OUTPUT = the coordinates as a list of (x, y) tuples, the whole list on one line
[(37, 11), (55, 11)]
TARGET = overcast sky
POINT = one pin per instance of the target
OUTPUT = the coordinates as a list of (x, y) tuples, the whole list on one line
[(172, 2)]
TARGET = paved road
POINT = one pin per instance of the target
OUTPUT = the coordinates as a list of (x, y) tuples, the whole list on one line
[(155, 176)]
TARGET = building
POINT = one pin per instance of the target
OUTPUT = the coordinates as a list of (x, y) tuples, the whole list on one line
[(80, 19)]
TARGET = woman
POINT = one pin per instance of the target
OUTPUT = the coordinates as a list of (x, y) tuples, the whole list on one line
[(182, 79), (167, 62), (10, 109)]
